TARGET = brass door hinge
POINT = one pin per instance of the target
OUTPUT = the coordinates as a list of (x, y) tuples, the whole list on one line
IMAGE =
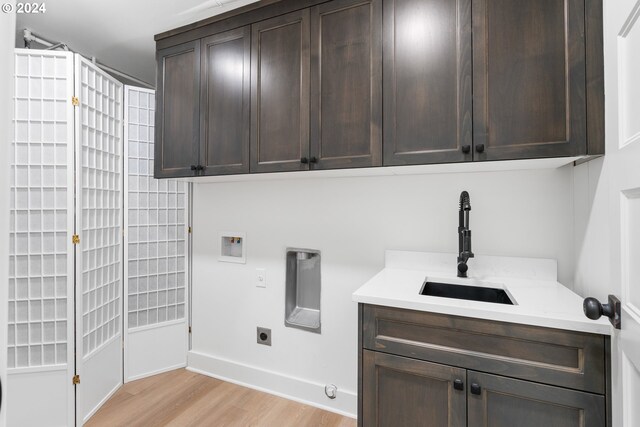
[(75, 101), (75, 239), (189, 329), (189, 230), (76, 380)]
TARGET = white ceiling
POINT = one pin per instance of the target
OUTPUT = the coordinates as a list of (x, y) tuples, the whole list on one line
[(119, 33)]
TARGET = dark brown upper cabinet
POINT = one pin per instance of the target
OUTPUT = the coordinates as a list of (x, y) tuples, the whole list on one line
[(427, 81), (280, 93), (294, 85), (177, 110), (346, 84), (225, 102), (529, 79)]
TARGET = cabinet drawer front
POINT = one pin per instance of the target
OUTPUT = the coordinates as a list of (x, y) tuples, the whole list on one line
[(564, 358), (508, 402)]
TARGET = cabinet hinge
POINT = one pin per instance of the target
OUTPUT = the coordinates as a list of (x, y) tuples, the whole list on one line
[(75, 239), (76, 380), (75, 101)]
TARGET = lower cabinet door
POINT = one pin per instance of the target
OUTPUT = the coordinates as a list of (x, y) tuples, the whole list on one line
[(504, 402), (398, 391)]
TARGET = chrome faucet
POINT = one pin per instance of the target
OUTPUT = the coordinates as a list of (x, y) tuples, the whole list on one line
[(464, 235)]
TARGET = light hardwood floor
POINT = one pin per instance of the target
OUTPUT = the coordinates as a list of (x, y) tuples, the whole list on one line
[(183, 398)]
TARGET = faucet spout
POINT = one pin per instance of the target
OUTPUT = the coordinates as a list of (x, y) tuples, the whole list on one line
[(464, 234)]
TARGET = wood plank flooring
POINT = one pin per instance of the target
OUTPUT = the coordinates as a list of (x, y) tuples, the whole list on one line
[(183, 398)]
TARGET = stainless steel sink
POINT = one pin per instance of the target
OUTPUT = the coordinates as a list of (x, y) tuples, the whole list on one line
[(468, 292)]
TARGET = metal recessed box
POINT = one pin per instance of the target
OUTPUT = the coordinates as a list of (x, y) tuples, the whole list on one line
[(302, 300)]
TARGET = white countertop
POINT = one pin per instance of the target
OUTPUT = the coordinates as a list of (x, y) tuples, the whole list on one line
[(540, 300)]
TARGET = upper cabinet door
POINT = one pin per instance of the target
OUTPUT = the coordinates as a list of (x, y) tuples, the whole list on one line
[(529, 79), (177, 110), (346, 84), (225, 102), (427, 81), (280, 93)]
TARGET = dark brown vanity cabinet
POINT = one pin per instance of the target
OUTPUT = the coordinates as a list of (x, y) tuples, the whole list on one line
[(177, 136), (225, 102), (419, 368), (427, 81), (398, 391), (529, 79)]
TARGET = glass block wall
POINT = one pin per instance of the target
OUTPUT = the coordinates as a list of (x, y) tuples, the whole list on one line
[(156, 224), (100, 206), (41, 211)]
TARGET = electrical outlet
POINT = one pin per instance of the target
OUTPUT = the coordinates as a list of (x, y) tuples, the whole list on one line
[(261, 277), (264, 336)]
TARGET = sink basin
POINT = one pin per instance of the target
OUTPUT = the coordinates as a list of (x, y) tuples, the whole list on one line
[(472, 293)]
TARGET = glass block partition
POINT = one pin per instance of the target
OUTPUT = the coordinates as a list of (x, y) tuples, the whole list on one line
[(100, 200), (156, 224), (41, 212)]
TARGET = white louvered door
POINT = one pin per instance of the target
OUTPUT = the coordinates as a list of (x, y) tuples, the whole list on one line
[(99, 224), (40, 312), (156, 326)]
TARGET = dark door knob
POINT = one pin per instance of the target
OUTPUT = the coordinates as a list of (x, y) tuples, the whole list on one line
[(458, 384), (313, 159), (593, 309), (304, 160), (480, 148), (476, 389), (466, 149), (194, 167)]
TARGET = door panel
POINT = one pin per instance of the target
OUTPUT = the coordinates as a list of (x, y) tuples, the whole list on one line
[(505, 402), (529, 79), (622, 38), (178, 118), (346, 78), (225, 102), (99, 224), (280, 93), (398, 391), (427, 81), (155, 250)]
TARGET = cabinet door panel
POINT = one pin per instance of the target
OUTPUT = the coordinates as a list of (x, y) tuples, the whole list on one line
[(398, 391), (505, 402), (280, 93), (225, 121), (529, 78), (346, 82), (427, 81), (177, 110)]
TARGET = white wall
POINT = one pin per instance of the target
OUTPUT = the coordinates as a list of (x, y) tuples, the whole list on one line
[(7, 32), (591, 229), (352, 221)]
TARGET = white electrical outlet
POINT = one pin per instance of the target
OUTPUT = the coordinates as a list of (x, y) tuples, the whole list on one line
[(261, 277)]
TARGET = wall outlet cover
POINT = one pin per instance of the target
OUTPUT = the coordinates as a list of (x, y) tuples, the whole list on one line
[(264, 336)]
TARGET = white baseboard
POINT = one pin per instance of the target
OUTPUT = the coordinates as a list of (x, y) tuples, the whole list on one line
[(102, 402), (156, 372), (276, 383)]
